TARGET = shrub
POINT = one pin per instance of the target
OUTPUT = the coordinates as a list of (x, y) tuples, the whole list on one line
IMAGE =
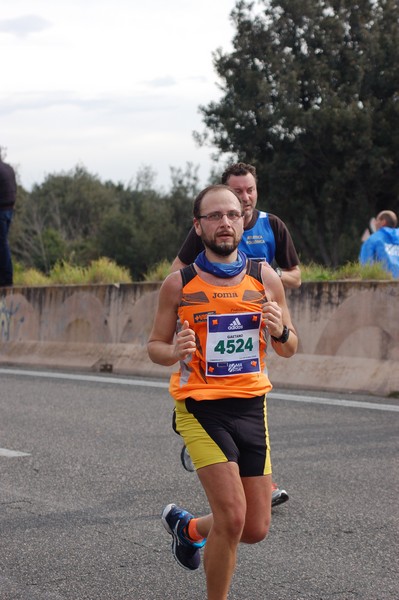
[(67, 274), (30, 278), (158, 272), (351, 270), (105, 270)]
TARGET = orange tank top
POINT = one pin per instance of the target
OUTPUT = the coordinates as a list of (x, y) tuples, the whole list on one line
[(230, 359)]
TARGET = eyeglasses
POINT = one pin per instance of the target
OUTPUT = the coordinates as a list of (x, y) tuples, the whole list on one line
[(232, 215)]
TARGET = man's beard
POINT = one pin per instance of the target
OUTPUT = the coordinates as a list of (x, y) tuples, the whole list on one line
[(221, 248)]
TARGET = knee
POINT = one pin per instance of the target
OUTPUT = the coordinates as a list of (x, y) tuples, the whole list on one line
[(253, 537), (256, 532), (231, 525)]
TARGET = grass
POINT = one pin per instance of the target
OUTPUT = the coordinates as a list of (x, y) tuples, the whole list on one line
[(310, 272), (353, 271), (105, 271), (65, 274), (159, 271), (30, 278)]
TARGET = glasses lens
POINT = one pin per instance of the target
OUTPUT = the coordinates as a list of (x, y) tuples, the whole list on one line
[(215, 216), (233, 215)]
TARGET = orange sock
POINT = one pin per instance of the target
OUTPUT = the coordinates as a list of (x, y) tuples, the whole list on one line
[(192, 531)]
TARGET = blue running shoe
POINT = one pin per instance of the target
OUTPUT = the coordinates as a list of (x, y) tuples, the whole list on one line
[(186, 552)]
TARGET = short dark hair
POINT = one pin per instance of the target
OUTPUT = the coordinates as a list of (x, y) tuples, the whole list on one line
[(211, 188), (239, 169), (389, 217)]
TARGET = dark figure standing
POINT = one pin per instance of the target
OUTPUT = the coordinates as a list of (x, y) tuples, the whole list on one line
[(8, 193)]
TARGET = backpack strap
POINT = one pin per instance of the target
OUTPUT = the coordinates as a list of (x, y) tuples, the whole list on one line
[(254, 269), (187, 274)]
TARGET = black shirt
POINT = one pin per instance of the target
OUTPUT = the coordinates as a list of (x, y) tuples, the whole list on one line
[(8, 186), (285, 254)]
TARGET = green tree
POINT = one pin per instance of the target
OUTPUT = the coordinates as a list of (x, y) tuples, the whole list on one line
[(185, 187), (60, 218), (75, 217), (148, 226), (311, 97)]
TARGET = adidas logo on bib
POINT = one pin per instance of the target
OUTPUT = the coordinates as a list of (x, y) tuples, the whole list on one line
[(236, 324)]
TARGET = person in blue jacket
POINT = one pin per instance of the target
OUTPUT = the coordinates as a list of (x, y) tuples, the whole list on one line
[(383, 245)]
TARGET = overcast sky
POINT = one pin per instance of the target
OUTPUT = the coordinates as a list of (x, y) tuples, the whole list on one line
[(112, 85)]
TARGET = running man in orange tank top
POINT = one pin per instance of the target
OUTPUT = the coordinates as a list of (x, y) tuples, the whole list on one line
[(212, 318), (265, 237)]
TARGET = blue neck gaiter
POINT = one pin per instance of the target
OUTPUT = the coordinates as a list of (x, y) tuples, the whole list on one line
[(223, 270)]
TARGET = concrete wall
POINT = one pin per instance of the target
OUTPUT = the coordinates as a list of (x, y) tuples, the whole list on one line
[(349, 332)]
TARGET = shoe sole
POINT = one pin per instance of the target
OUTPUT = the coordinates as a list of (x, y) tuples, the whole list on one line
[(279, 498), (163, 518), (186, 460)]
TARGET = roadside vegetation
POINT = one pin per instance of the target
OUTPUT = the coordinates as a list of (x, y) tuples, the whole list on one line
[(105, 271), (353, 271), (102, 270)]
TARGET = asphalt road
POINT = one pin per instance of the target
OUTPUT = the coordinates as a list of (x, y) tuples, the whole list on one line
[(79, 514)]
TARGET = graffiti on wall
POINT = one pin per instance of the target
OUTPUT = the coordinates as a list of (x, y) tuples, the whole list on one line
[(7, 320)]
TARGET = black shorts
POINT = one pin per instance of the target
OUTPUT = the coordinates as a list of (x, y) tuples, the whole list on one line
[(231, 429)]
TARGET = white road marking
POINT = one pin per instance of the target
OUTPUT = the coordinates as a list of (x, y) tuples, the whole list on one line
[(93, 378), (164, 385), (335, 402), (12, 453)]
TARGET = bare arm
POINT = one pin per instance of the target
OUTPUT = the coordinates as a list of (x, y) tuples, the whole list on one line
[(176, 265), (276, 314), (291, 278), (164, 347), (188, 252)]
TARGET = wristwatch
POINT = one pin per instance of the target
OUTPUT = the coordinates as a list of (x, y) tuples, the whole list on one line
[(278, 271), (283, 337)]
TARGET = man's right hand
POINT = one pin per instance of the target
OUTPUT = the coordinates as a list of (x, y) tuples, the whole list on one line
[(185, 342)]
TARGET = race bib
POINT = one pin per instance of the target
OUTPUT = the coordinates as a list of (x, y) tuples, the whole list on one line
[(232, 346)]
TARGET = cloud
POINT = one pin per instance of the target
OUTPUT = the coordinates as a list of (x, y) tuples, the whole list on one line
[(25, 25), (111, 104), (169, 81), (80, 86), (26, 101), (166, 81)]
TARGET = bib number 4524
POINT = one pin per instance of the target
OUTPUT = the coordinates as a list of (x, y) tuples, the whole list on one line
[(234, 346)]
